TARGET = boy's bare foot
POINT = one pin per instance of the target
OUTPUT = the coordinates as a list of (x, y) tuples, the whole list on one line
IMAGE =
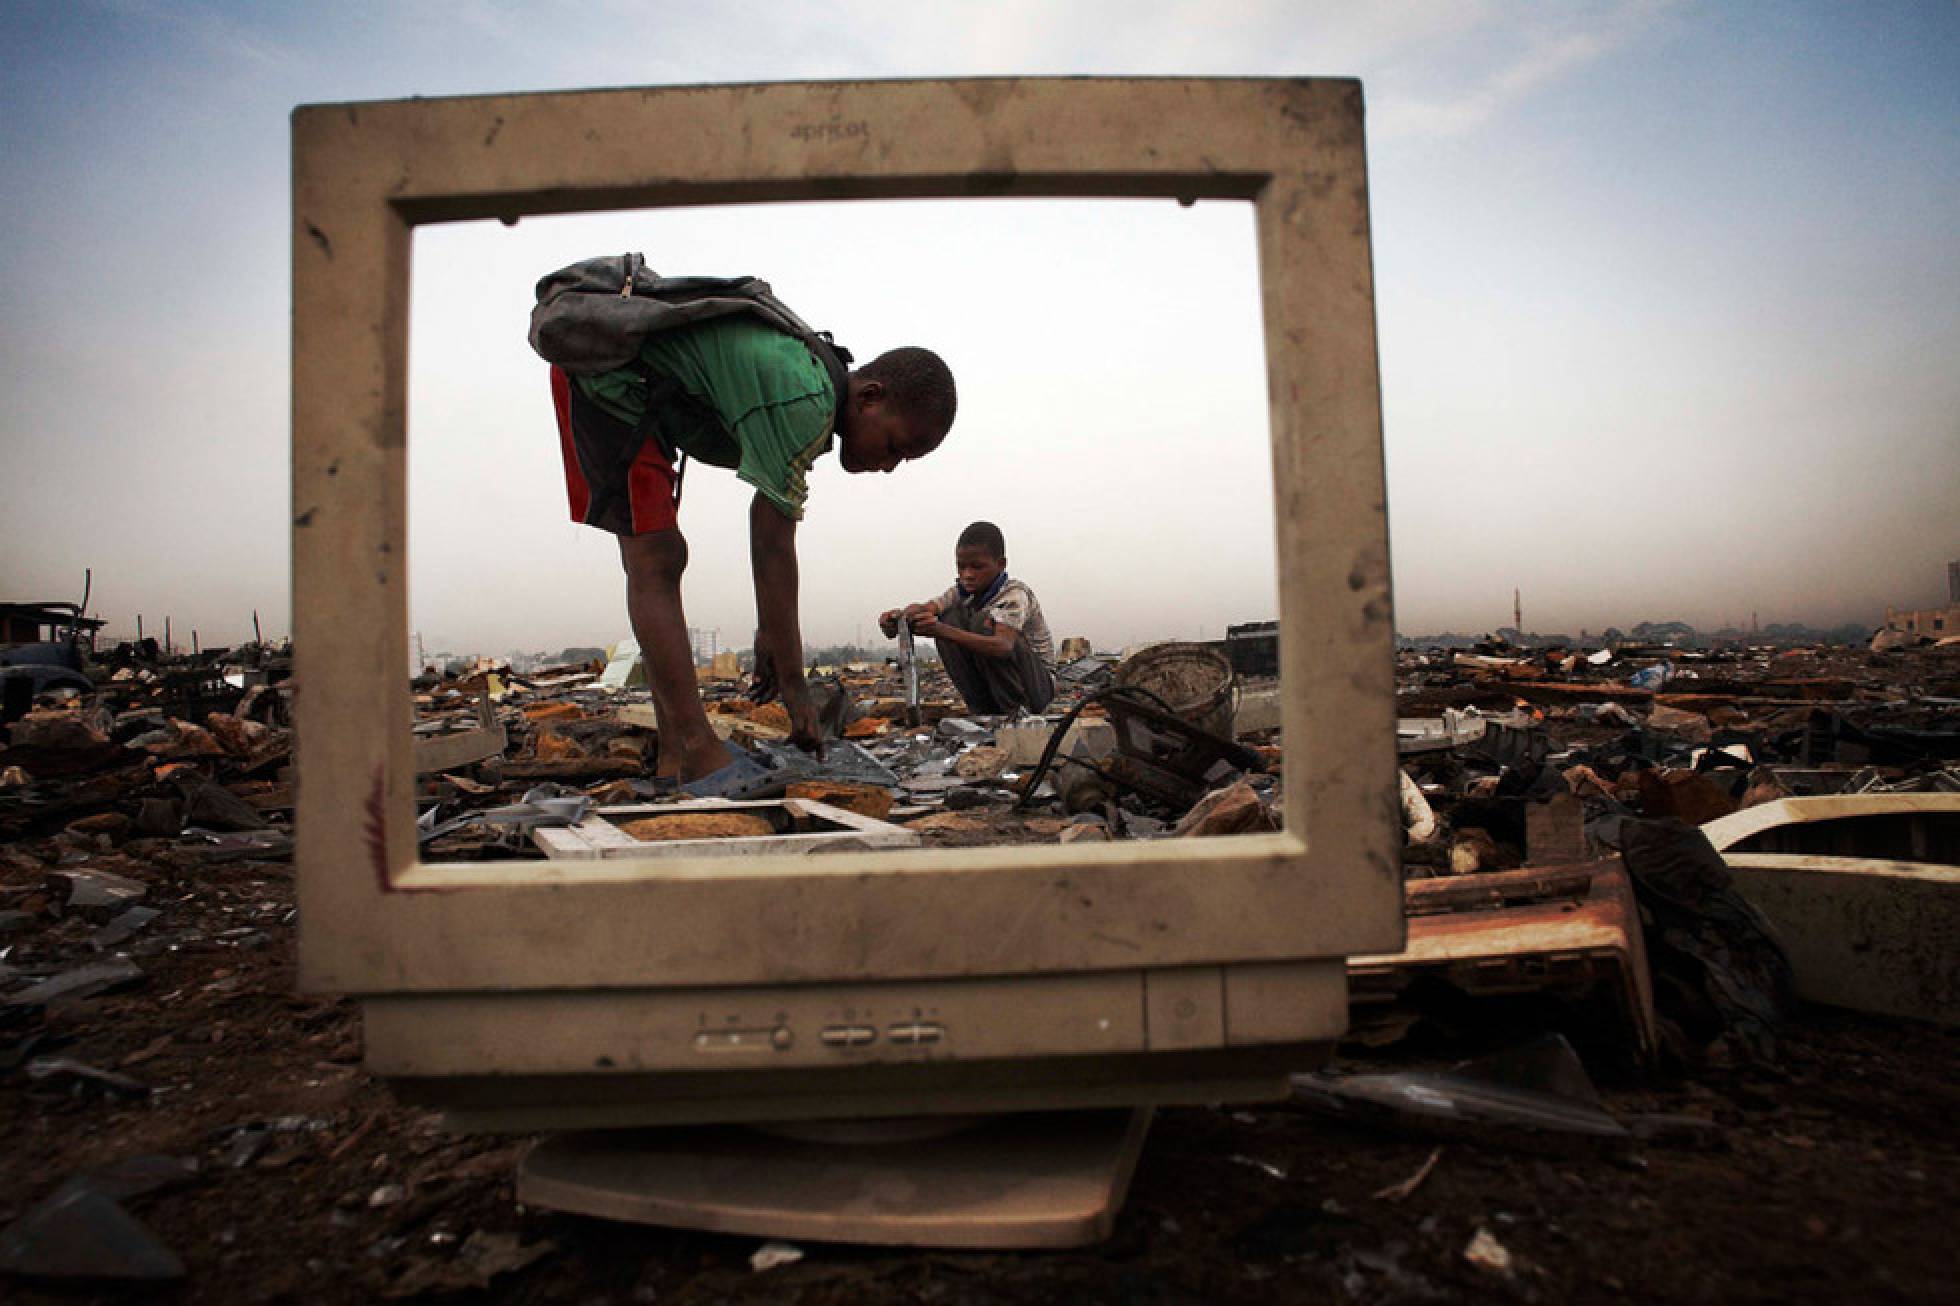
[(699, 758)]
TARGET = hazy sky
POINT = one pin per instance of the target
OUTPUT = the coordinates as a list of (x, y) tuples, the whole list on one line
[(1668, 294)]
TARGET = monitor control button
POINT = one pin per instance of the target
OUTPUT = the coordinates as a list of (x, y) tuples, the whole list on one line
[(847, 1036)]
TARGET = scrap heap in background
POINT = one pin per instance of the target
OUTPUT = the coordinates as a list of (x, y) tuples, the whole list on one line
[(1609, 848)]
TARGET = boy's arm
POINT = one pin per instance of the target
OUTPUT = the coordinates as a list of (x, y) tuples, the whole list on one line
[(888, 619), (1004, 618), (996, 642), (779, 637)]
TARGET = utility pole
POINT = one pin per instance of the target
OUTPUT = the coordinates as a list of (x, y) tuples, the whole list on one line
[(166, 635), (1517, 611), (257, 636)]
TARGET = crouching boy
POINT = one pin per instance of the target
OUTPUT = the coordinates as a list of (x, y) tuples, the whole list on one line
[(991, 636)]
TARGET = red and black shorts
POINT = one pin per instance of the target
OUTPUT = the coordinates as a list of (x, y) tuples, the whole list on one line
[(616, 476)]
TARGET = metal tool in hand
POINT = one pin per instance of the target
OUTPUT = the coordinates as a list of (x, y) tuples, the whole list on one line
[(908, 667)]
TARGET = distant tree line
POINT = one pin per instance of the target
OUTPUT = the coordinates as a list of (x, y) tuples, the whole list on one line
[(1675, 634)]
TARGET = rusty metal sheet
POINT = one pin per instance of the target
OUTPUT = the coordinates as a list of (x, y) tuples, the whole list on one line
[(1569, 931)]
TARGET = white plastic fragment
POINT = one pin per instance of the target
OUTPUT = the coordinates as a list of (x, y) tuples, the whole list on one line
[(1486, 1253), (1418, 818), (773, 1254), (1264, 1167)]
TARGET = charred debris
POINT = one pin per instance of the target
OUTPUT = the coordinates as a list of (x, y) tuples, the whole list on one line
[(1570, 918)]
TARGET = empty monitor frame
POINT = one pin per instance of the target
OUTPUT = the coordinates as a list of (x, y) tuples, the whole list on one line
[(530, 994)]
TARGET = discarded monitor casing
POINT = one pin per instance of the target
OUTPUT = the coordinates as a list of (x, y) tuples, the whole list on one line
[(530, 995)]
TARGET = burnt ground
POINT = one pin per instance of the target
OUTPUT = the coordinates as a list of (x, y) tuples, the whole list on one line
[(1835, 1177), (1827, 1173)]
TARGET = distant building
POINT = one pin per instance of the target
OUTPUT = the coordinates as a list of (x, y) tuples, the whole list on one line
[(1934, 623)]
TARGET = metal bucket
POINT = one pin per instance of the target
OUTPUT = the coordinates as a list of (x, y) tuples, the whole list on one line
[(1196, 681)]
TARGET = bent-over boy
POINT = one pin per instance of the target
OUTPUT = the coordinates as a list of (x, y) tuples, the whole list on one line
[(730, 392), (992, 638)]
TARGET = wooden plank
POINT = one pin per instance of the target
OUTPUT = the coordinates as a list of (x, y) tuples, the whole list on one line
[(446, 752), (638, 714), (879, 834), (576, 769), (590, 838)]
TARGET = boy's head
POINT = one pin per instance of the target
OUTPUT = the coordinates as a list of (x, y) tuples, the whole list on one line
[(900, 407), (980, 556)]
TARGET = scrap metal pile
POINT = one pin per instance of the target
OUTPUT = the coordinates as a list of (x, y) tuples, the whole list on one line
[(1552, 799), (1557, 879), (1513, 760), (1123, 765), (193, 751)]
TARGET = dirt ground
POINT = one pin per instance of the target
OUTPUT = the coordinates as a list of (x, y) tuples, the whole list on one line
[(1828, 1173), (1835, 1180)]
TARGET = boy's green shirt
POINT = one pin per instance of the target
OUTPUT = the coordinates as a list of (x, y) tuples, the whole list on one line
[(763, 403)]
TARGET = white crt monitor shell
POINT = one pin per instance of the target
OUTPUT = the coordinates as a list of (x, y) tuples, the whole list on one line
[(533, 995)]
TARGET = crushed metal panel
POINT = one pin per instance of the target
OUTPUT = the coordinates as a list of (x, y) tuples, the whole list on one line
[(1869, 935), (1567, 931), (1863, 891)]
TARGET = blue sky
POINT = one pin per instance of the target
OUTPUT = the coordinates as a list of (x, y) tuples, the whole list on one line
[(1668, 294)]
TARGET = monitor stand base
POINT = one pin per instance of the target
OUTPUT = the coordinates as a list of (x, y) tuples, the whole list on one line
[(1037, 1180)]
